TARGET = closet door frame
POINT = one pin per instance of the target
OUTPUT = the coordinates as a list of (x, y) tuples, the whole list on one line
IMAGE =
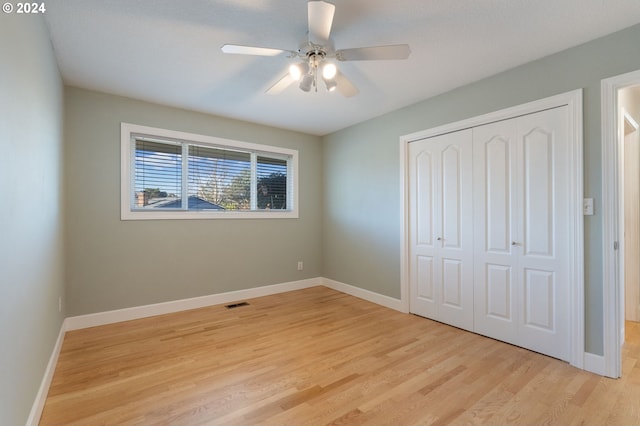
[(573, 100)]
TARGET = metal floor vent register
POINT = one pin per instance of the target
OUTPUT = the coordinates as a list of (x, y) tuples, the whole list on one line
[(236, 305)]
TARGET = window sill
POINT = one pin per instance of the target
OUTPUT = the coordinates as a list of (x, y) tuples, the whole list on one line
[(185, 215)]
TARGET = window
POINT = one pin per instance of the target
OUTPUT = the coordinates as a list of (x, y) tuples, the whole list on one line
[(175, 175)]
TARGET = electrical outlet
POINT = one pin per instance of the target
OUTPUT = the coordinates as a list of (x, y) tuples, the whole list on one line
[(60, 304), (300, 265)]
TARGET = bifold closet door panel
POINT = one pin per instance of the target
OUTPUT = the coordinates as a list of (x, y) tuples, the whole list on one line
[(521, 231), (495, 230), (544, 246), (422, 199), (441, 234)]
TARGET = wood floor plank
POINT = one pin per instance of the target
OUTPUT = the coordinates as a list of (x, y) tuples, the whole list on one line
[(317, 357)]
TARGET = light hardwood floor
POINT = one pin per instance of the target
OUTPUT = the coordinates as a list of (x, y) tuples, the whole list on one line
[(315, 357)]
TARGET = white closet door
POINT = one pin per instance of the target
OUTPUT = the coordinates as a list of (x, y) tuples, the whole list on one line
[(521, 231), (495, 228), (544, 248), (441, 228)]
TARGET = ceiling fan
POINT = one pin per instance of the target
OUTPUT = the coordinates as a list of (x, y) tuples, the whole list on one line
[(317, 53)]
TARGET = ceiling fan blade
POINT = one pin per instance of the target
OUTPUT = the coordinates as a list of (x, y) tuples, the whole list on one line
[(375, 53), (345, 87), (280, 85), (251, 50), (320, 15)]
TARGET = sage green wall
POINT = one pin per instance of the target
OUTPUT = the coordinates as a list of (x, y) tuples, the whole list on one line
[(114, 264), (361, 241), (31, 208)]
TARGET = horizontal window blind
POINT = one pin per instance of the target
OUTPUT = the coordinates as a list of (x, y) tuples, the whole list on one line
[(175, 175), (158, 175), (272, 183), (220, 177)]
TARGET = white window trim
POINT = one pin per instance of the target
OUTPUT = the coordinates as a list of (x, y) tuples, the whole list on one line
[(129, 131)]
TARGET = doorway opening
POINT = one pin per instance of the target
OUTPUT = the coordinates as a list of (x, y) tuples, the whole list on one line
[(629, 148), (621, 213)]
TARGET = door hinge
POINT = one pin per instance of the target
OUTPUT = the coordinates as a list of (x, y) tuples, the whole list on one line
[(616, 245)]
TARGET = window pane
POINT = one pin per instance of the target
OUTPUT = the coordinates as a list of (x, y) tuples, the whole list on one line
[(158, 175), (271, 174), (219, 179)]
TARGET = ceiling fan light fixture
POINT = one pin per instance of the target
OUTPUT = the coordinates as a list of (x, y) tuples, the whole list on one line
[(329, 71), (306, 82), (331, 85), (298, 70)]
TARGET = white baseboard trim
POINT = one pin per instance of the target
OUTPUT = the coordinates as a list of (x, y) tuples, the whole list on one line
[(41, 396), (594, 363), (367, 295), (137, 312)]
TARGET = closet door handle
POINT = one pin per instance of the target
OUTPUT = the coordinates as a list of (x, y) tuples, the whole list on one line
[(513, 243), (439, 238)]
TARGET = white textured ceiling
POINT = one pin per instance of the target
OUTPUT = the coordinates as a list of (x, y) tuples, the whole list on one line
[(168, 51)]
